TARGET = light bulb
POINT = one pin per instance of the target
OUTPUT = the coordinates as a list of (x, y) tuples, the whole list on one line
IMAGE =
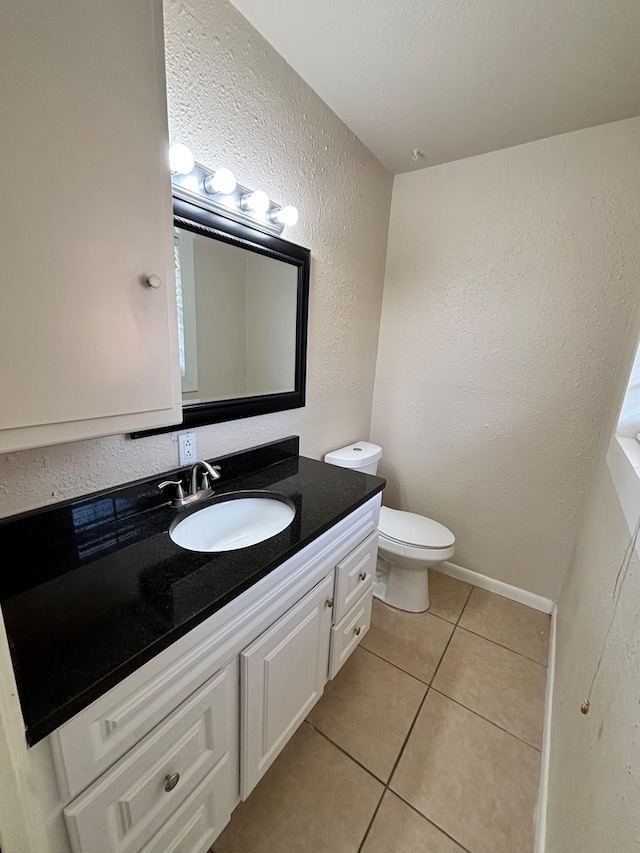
[(222, 181), (181, 159), (287, 215), (257, 201)]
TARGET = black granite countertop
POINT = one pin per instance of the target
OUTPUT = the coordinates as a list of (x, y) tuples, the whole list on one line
[(98, 588)]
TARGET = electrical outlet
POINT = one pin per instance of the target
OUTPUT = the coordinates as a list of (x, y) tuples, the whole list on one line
[(187, 448)]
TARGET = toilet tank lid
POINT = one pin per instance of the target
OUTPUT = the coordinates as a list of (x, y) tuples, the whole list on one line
[(412, 529), (355, 455)]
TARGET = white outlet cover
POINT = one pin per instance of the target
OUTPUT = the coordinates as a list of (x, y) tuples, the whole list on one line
[(187, 448)]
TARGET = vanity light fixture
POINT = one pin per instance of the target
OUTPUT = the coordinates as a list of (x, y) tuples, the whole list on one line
[(222, 181), (218, 191), (287, 215), (181, 160), (257, 201)]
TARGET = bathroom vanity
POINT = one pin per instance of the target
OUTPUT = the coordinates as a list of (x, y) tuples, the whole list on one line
[(165, 682)]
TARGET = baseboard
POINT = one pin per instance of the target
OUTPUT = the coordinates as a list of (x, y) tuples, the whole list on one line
[(537, 602), (543, 792)]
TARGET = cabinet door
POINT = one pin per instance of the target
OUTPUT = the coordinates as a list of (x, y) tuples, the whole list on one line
[(87, 347), (283, 674)]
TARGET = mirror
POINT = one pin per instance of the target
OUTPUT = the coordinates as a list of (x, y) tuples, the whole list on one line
[(242, 302)]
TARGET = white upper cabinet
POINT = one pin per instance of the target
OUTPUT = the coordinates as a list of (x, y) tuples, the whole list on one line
[(87, 347)]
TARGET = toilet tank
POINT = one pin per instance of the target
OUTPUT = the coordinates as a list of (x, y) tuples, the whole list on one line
[(361, 456)]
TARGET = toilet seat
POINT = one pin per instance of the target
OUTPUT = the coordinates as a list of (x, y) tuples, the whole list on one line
[(414, 531)]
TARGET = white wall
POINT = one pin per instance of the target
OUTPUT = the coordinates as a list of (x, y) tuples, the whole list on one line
[(272, 295), (221, 319), (594, 780), (235, 101), (508, 289)]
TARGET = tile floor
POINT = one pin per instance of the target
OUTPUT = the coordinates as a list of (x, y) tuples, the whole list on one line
[(427, 741)]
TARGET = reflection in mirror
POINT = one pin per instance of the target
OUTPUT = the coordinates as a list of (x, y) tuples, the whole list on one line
[(236, 320)]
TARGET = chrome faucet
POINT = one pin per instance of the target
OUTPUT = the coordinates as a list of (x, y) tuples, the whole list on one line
[(197, 491), (209, 475)]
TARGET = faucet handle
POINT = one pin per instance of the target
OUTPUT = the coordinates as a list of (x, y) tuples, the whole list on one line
[(179, 492), (209, 473)]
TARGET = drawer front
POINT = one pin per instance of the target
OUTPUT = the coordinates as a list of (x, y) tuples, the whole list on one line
[(96, 738), (199, 821), (354, 575), (346, 635), (124, 808)]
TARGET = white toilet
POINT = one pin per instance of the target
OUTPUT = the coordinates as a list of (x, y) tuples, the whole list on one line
[(408, 543)]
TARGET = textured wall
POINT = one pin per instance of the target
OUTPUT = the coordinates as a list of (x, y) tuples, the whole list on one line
[(594, 784), (508, 288), (235, 101), (594, 778)]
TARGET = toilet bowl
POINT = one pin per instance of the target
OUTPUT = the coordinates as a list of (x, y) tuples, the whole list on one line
[(408, 543)]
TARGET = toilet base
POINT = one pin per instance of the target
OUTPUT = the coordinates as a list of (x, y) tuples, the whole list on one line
[(403, 588)]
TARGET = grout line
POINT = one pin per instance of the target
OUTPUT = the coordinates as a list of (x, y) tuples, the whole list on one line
[(399, 668), (344, 752), (411, 727), (486, 719), (404, 743), (506, 648), (373, 817), (429, 820), (395, 764), (464, 628), (426, 612), (464, 606), (526, 657), (435, 672)]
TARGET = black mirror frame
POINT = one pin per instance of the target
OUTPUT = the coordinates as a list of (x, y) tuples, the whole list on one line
[(193, 218)]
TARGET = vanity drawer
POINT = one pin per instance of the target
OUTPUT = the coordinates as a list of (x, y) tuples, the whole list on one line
[(354, 575), (123, 809), (346, 635), (98, 736), (197, 823)]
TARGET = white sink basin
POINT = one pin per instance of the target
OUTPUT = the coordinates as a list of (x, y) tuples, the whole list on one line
[(236, 522)]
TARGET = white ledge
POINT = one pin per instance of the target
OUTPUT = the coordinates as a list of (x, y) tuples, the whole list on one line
[(623, 461)]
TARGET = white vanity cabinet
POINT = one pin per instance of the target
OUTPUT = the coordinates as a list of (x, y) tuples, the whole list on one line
[(88, 339), (158, 763)]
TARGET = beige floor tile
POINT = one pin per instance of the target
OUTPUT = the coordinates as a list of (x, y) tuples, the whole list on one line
[(506, 622), (313, 799), (368, 710), (397, 828), (413, 641), (447, 596), (499, 684), (473, 780)]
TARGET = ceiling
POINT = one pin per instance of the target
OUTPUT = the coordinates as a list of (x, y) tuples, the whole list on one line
[(454, 78)]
